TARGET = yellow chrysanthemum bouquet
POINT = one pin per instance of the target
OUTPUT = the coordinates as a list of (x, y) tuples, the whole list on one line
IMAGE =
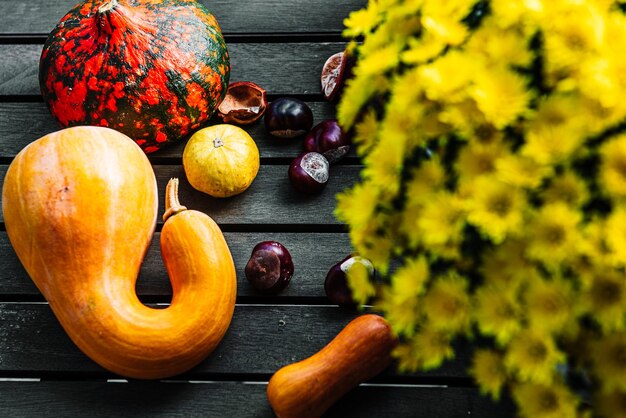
[(493, 136)]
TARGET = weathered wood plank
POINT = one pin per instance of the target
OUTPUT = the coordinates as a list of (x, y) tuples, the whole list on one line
[(271, 200), (217, 399), (313, 254), (280, 68), (253, 16), (261, 339), (22, 123)]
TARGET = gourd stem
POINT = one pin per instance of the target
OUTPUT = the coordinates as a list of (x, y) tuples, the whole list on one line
[(108, 5), (172, 204)]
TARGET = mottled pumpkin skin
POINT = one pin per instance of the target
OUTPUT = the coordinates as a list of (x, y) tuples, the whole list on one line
[(154, 70)]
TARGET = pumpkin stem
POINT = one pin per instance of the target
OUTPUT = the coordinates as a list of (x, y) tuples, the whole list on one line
[(107, 5), (172, 204)]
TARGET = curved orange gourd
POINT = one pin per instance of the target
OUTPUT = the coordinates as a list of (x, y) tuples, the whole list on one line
[(80, 208), (306, 389)]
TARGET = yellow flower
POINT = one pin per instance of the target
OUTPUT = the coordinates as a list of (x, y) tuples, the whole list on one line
[(505, 265), (496, 208), (508, 13), (497, 312), (360, 90), (521, 171), (553, 236), (489, 371), (441, 220), (384, 164), (465, 118), (443, 19), (611, 405), (578, 32), (375, 243), (609, 362), (432, 347), (615, 235), (357, 205), (428, 177), (605, 299), (401, 310), (501, 95), (553, 401), (533, 357), (362, 21), (613, 166), (552, 144), (550, 304), (360, 283), (378, 61), (442, 80), (423, 49), (407, 361), (366, 132), (476, 159), (497, 45), (568, 188), (446, 304), (409, 279)]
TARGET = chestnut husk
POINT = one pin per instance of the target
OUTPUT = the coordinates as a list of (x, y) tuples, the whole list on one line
[(245, 103), (338, 68)]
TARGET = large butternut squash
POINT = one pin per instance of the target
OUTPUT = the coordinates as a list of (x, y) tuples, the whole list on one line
[(80, 208)]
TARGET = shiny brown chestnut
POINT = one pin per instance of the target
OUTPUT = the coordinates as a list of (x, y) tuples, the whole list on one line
[(336, 283), (270, 267), (309, 172), (245, 102), (328, 139), (287, 117)]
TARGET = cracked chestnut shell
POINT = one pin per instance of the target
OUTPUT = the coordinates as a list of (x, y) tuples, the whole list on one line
[(309, 172), (245, 103), (336, 70), (270, 267), (287, 117)]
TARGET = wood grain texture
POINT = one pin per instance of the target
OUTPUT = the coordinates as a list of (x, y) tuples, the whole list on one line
[(22, 123), (252, 16), (313, 254), (280, 68), (234, 399), (270, 200), (261, 339)]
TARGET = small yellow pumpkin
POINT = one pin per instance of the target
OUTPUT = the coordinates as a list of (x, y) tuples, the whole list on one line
[(221, 160), (80, 208)]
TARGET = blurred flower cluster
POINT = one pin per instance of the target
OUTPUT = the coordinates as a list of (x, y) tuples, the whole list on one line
[(493, 194)]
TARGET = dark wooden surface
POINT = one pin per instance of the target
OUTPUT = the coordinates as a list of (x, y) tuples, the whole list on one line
[(282, 46)]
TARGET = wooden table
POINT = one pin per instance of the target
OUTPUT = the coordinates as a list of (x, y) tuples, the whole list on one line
[(281, 46)]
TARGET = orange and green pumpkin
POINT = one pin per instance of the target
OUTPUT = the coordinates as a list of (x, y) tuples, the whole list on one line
[(154, 70)]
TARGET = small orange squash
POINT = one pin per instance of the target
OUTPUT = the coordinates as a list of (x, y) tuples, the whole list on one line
[(308, 388), (80, 208)]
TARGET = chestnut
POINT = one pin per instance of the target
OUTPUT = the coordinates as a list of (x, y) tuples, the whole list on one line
[(288, 118), (244, 103), (270, 267), (309, 172), (328, 139), (336, 284)]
